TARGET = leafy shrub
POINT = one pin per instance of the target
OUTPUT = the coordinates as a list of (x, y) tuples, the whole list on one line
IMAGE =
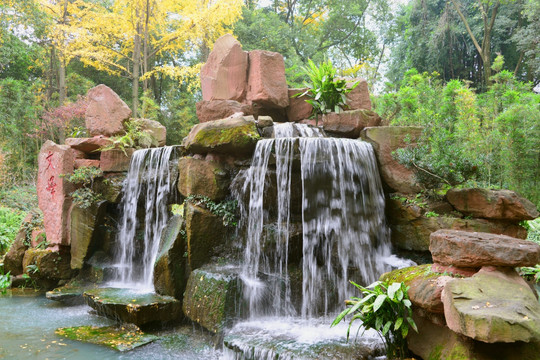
[(5, 281), (85, 176), (225, 209), (531, 273), (23, 198), (10, 222), (327, 94), (131, 139), (385, 308)]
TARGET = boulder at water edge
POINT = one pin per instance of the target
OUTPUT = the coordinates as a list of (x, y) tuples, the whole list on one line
[(221, 109), (472, 249), (202, 177), (55, 161), (51, 266), (132, 306), (235, 136), (386, 140), (106, 112), (492, 306), (350, 123), (170, 265), (13, 260), (267, 85), (115, 160), (224, 76), (212, 297), (492, 204)]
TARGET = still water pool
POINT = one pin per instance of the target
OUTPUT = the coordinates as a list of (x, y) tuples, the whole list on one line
[(27, 325)]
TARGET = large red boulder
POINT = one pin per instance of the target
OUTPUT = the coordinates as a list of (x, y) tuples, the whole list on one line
[(350, 123), (54, 190), (492, 204), (298, 108), (106, 112), (224, 76), (221, 109), (359, 98), (473, 249), (386, 140), (267, 85), (88, 145)]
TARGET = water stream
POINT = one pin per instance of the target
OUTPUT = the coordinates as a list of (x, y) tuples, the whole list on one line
[(148, 184), (344, 234)]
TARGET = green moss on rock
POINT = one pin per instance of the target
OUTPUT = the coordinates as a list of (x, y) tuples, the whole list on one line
[(119, 338)]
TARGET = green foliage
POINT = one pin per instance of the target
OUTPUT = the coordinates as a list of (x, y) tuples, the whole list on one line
[(489, 140), (531, 273), (32, 269), (385, 308), (225, 209), (35, 223), (533, 230), (10, 222), (131, 139), (326, 92), (5, 281), (430, 214), (21, 197), (85, 176)]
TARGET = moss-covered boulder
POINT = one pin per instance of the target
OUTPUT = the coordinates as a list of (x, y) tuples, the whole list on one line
[(237, 136), (204, 233), (83, 224), (133, 307), (492, 306), (47, 265), (202, 177), (110, 187), (170, 265), (13, 260), (121, 338), (212, 297), (425, 286)]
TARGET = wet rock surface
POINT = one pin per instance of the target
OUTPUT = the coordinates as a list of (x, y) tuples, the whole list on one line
[(115, 160), (133, 307), (121, 338), (202, 177)]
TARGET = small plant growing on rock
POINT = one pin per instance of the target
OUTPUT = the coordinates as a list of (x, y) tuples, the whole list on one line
[(225, 209), (5, 281), (385, 308), (84, 197), (326, 92), (131, 139)]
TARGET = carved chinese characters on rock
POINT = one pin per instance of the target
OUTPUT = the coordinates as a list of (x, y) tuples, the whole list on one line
[(54, 191)]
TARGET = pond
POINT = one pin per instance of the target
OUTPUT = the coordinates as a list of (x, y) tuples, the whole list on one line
[(28, 322)]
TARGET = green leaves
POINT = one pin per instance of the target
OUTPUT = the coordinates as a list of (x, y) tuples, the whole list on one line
[(386, 309)]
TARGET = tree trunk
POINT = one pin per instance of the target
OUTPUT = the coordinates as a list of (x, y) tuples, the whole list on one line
[(136, 68)]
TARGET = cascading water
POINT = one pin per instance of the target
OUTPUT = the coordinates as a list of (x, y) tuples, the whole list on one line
[(342, 217), (149, 178)]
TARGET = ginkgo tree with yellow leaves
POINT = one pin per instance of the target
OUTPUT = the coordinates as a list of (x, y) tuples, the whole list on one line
[(125, 37)]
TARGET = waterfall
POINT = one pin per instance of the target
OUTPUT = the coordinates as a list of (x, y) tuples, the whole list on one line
[(148, 182), (344, 234)]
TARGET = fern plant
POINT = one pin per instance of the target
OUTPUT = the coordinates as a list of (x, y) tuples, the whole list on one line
[(326, 92), (386, 309)]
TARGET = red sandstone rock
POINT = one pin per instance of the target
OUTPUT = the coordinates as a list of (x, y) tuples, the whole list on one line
[(267, 85), (350, 123), (157, 132), (224, 76), (454, 270), (386, 140), (358, 98), (298, 108), (88, 145), (468, 249), (77, 154), (220, 109), (79, 163), (54, 191), (115, 160), (492, 204), (106, 112)]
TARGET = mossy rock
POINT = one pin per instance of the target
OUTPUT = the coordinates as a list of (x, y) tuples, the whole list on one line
[(202, 177), (132, 307), (51, 265), (115, 337), (211, 295), (83, 225), (236, 136)]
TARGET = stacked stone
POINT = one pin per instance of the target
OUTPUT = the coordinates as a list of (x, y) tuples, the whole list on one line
[(236, 83), (472, 295)]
